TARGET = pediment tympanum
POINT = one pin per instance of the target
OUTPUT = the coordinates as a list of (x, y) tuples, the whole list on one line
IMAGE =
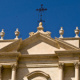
[(39, 47)]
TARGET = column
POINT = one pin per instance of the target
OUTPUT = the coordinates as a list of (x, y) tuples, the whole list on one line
[(61, 71), (0, 72), (76, 71), (13, 77)]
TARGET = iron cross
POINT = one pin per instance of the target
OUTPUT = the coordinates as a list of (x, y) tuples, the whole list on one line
[(40, 11)]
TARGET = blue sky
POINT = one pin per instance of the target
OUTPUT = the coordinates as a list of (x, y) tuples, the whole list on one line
[(22, 14)]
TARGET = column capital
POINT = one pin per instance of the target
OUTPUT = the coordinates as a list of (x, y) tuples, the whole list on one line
[(76, 64), (14, 66), (61, 64)]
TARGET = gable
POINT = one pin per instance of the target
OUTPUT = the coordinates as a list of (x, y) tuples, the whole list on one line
[(37, 37), (39, 47), (38, 44)]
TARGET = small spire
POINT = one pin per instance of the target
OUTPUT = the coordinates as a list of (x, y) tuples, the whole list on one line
[(2, 34), (17, 33), (61, 32), (76, 32), (40, 27)]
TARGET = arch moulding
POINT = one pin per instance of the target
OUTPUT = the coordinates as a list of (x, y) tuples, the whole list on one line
[(36, 74)]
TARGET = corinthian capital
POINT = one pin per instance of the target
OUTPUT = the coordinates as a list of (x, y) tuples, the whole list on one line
[(61, 65), (14, 66), (76, 64)]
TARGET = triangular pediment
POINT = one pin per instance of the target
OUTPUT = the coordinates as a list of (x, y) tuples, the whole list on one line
[(39, 47), (38, 44), (36, 38)]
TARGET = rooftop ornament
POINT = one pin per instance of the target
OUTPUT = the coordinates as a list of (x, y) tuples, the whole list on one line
[(41, 10), (61, 32), (17, 33), (40, 27), (2, 33), (76, 32)]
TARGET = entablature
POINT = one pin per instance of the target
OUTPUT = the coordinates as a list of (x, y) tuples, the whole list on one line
[(8, 59), (68, 57)]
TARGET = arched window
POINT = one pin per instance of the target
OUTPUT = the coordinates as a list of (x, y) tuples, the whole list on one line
[(37, 74)]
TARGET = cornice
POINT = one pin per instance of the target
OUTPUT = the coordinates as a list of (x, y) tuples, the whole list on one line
[(38, 65), (11, 40), (39, 56), (10, 54), (70, 38), (72, 53)]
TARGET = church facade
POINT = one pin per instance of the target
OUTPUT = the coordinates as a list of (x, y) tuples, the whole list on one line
[(40, 57)]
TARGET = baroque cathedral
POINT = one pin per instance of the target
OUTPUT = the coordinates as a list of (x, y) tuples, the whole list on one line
[(40, 57)]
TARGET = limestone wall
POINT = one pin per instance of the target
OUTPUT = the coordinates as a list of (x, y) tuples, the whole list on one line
[(69, 73), (53, 72)]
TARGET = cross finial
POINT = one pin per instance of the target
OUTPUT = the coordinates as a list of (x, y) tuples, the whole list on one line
[(40, 11)]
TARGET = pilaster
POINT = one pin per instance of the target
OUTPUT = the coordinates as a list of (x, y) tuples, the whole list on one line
[(13, 77), (0, 72), (61, 66), (76, 71)]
